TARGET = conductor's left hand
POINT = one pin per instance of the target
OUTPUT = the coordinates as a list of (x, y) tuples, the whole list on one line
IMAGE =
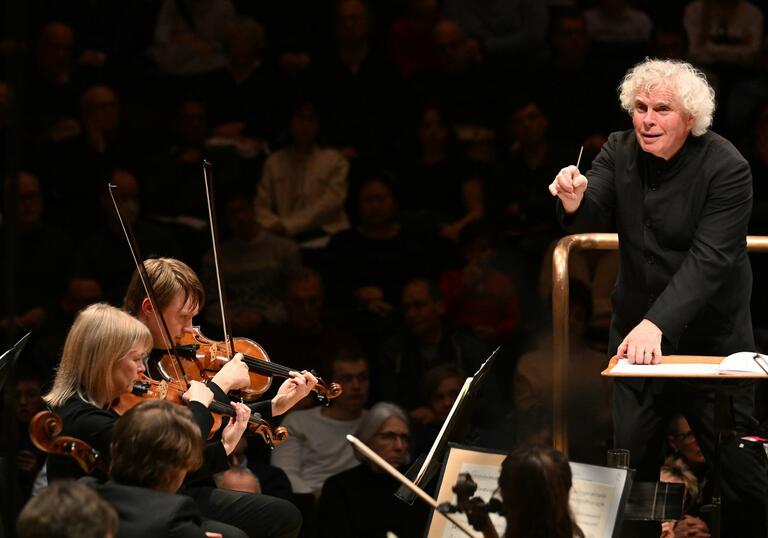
[(642, 345)]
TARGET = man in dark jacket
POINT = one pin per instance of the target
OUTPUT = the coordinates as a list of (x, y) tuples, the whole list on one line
[(680, 198)]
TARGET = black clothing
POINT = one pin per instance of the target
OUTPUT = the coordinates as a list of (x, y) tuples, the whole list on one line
[(87, 422), (682, 233), (255, 515), (682, 228), (359, 502), (144, 512)]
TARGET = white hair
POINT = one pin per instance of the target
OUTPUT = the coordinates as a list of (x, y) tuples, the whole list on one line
[(376, 416), (688, 84)]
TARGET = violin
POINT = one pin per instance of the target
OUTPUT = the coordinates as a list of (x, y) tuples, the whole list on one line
[(147, 388), (44, 431), (209, 356)]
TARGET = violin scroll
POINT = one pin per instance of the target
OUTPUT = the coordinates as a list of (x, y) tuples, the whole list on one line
[(45, 432)]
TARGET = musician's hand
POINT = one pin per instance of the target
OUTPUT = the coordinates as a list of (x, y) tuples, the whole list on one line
[(668, 529), (232, 433), (293, 390), (691, 526), (198, 392), (233, 375), (569, 185), (214, 535), (642, 345)]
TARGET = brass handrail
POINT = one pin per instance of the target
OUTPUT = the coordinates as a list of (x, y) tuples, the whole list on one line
[(590, 241)]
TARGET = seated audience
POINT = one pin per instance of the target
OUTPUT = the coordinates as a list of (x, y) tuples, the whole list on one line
[(189, 35), (360, 501), (317, 447), (478, 296), (303, 186), (410, 37), (676, 471), (67, 509), (253, 264), (442, 385), (426, 340)]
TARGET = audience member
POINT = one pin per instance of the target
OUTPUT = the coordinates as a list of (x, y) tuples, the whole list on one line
[(317, 447), (50, 105), (41, 257), (248, 475), (460, 82), (189, 36), (724, 32), (442, 385), (67, 509), (303, 187), (360, 501), (506, 31), (588, 392), (253, 265), (617, 23), (357, 86), (309, 338), (478, 296), (105, 252), (676, 471), (410, 37), (240, 95), (26, 398), (426, 340), (378, 254)]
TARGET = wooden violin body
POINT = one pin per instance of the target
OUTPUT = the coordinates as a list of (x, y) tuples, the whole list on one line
[(209, 356)]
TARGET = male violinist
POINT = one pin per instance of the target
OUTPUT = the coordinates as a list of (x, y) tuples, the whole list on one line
[(180, 296)]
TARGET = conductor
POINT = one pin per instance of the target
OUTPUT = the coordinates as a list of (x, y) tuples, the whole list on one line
[(680, 197)]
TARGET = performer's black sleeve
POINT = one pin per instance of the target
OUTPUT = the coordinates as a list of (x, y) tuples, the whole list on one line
[(719, 241)]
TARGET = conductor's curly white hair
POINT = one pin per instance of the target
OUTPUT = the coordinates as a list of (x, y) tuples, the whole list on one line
[(688, 84)]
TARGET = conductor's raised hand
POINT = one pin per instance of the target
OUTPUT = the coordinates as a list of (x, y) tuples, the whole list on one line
[(569, 185), (642, 345)]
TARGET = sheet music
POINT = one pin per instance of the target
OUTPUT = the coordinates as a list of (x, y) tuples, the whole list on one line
[(595, 498), (643, 370)]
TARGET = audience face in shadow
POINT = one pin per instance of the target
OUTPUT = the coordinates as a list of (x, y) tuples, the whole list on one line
[(682, 441), (391, 441), (304, 303), (54, 52), (353, 376), (422, 311)]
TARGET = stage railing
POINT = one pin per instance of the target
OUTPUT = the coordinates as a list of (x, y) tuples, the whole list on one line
[(591, 241)]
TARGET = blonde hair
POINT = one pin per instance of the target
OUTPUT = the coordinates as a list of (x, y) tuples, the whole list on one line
[(677, 467), (169, 278), (99, 338), (688, 84)]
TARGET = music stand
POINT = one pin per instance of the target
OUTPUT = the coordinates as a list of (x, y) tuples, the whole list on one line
[(699, 368), (425, 467)]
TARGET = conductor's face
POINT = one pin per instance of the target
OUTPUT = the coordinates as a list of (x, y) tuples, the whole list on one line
[(661, 123)]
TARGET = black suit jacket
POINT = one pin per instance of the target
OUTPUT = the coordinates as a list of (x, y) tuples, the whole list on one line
[(682, 228), (145, 513)]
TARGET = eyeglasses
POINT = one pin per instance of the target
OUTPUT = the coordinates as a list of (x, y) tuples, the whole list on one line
[(684, 436), (390, 437)]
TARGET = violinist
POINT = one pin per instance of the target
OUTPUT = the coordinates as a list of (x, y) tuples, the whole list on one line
[(179, 297), (103, 355)]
